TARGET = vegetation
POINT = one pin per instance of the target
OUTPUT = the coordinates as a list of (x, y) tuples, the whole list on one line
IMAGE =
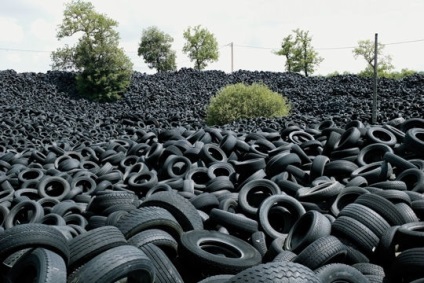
[(104, 71), (240, 101), (366, 50), (299, 53), (155, 47), (201, 46)]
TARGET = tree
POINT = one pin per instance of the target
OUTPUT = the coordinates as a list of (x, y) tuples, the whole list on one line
[(366, 49), (299, 53), (155, 47), (201, 46), (104, 71)]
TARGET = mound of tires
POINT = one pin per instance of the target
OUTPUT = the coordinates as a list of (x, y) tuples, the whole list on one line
[(141, 190)]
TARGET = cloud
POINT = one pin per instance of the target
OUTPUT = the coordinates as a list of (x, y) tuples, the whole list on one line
[(43, 30), (11, 31)]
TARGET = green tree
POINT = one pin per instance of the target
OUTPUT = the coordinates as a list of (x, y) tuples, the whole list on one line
[(155, 47), (104, 71), (366, 50), (299, 53), (201, 46)]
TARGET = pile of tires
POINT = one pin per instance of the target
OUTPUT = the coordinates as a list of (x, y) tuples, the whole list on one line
[(142, 198)]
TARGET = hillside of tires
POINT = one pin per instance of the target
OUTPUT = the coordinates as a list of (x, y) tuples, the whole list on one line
[(143, 190)]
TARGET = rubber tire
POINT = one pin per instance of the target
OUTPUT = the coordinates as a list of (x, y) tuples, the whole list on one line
[(178, 206), (288, 202), (242, 255), (339, 272), (38, 265), (33, 235), (353, 232), (164, 269), (322, 251), (114, 264), (159, 238), (276, 272), (266, 187), (149, 217), (309, 227), (88, 245)]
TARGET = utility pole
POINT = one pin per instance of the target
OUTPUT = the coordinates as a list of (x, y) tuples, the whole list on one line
[(374, 100), (232, 56)]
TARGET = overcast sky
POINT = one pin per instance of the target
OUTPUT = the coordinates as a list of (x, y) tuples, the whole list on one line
[(28, 30)]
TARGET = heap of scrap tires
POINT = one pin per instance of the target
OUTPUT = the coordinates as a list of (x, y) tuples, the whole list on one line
[(141, 190)]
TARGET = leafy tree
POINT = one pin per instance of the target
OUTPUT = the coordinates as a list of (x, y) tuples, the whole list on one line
[(287, 51), (155, 47), (104, 71), (299, 53), (241, 101), (201, 46), (366, 50)]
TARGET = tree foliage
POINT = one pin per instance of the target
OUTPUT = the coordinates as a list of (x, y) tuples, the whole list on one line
[(201, 46), (299, 53), (239, 101), (104, 71), (155, 47), (366, 50)]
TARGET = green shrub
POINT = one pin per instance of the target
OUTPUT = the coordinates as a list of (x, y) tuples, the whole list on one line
[(240, 101)]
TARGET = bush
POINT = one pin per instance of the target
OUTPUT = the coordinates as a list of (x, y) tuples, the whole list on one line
[(240, 101)]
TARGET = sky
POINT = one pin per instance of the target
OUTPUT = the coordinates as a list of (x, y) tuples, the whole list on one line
[(255, 27)]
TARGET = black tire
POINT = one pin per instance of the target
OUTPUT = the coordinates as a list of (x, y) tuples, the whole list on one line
[(285, 256), (159, 238), (279, 162), (322, 192), (322, 251), (253, 193), (181, 208), (258, 240), (276, 272), (353, 232), (288, 203), (114, 264), (383, 207), (33, 235), (374, 172), (413, 178), (414, 139), (381, 135), (408, 266), (367, 268), (212, 153), (26, 211), (149, 217), (349, 138), (54, 187), (318, 166), (400, 164), (236, 223), (308, 228), (164, 269), (88, 245), (346, 196), (410, 235), (372, 153), (38, 265), (212, 253), (339, 272), (221, 278), (340, 168), (205, 202), (371, 219)]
